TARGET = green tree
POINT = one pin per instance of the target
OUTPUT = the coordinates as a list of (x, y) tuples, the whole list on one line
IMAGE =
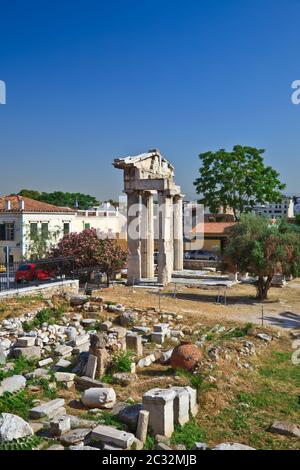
[(237, 180), (62, 199), (263, 249)]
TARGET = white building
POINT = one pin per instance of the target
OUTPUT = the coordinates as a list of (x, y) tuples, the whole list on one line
[(22, 217), (283, 209)]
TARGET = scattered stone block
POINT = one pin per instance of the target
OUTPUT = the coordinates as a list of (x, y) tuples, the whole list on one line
[(56, 447), (142, 427), (106, 325), (60, 426), (13, 427), (129, 415), (84, 383), (141, 329), (91, 367), (232, 446), (124, 378), (25, 341), (64, 377), (119, 331), (99, 397), (158, 337), (63, 350), (285, 429), (12, 384), (49, 410), (166, 357), (146, 361), (134, 343), (181, 405), (110, 435), (63, 364), (200, 446), (162, 446), (74, 436), (45, 362), (30, 352), (194, 408), (79, 300), (160, 402)]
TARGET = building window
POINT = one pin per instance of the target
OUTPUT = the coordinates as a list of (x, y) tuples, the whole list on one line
[(7, 232), (45, 230), (66, 228), (33, 230)]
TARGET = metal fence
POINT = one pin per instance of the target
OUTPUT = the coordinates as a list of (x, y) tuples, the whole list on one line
[(22, 274)]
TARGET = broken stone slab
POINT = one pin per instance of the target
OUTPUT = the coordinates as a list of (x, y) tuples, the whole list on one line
[(77, 422), (74, 436), (181, 405), (134, 343), (32, 352), (60, 425), (56, 447), (64, 377), (158, 337), (200, 446), (78, 300), (63, 364), (161, 327), (264, 337), (88, 322), (38, 373), (285, 429), (84, 383), (12, 384), (45, 362), (91, 367), (129, 415), (99, 397), (81, 446), (162, 446), (146, 361), (160, 404), (110, 435), (119, 331), (63, 350), (105, 326), (142, 427), (13, 427), (232, 446), (166, 356), (48, 410), (124, 378), (141, 329), (194, 408), (25, 341)]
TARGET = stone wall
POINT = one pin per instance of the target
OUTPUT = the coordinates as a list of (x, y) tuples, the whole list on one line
[(46, 290), (197, 264)]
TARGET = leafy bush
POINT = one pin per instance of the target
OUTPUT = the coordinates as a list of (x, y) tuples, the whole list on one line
[(239, 332), (121, 361), (46, 315), (16, 403), (21, 365), (24, 443)]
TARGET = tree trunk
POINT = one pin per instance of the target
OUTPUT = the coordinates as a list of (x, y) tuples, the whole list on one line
[(107, 280), (263, 287)]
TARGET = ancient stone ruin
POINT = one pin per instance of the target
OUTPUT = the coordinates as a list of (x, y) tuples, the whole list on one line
[(145, 175)]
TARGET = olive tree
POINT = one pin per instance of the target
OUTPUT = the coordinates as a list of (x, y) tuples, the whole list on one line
[(263, 249)]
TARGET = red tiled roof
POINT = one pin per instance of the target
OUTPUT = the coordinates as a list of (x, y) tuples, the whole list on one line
[(30, 205), (218, 228)]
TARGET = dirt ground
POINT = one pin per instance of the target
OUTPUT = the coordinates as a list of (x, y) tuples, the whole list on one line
[(281, 310)]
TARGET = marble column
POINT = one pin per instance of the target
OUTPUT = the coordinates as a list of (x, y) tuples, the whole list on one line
[(178, 233), (133, 237), (165, 257), (147, 236)]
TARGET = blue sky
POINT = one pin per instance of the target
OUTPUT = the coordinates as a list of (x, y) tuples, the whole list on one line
[(90, 80)]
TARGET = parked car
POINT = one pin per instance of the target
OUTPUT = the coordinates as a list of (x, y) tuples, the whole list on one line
[(2, 268), (32, 271), (202, 255)]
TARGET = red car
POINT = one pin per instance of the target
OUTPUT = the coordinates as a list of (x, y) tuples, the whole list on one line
[(31, 272)]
